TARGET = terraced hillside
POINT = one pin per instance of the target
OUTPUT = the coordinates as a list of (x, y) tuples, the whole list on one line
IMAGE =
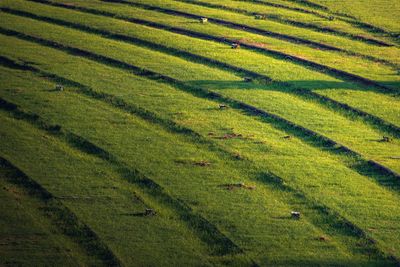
[(187, 132)]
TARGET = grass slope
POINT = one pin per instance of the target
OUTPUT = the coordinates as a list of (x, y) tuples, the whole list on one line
[(155, 115)]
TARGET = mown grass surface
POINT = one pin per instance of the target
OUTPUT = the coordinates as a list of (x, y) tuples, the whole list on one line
[(152, 119)]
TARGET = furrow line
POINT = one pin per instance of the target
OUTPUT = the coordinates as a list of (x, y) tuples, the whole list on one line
[(344, 109), (59, 214), (271, 180), (202, 92), (218, 243)]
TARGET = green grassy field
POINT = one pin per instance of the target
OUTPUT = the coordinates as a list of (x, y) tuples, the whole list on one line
[(166, 147)]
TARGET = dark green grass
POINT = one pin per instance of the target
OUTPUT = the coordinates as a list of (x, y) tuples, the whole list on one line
[(28, 235), (104, 201)]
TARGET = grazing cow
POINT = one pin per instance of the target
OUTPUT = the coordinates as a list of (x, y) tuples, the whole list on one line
[(221, 106), (295, 215), (59, 87), (235, 45), (385, 139), (259, 16), (149, 212), (248, 79), (203, 20)]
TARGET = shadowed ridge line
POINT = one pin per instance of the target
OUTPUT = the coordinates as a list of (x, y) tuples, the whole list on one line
[(218, 243), (59, 214), (201, 92), (307, 94), (295, 23)]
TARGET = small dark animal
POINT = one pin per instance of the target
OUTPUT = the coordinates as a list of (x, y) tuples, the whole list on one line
[(149, 212), (238, 156), (295, 215), (248, 79), (59, 87), (221, 106), (235, 45), (385, 139), (202, 163), (287, 137), (322, 238)]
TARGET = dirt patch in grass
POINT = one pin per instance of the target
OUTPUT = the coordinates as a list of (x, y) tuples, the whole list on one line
[(231, 187)]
